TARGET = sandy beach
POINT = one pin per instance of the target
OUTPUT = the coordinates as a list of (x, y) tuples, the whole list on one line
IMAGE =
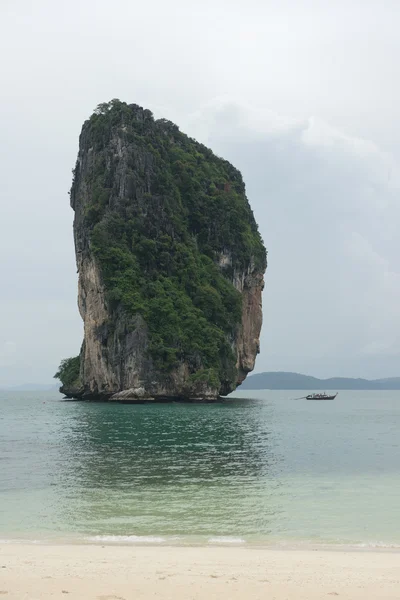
[(33, 572)]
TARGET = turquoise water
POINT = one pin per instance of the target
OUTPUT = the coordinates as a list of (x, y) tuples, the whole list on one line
[(261, 469)]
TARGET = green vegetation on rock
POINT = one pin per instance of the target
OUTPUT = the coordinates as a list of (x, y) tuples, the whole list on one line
[(169, 234), (68, 372)]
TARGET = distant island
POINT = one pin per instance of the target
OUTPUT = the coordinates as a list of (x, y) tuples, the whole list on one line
[(282, 380)]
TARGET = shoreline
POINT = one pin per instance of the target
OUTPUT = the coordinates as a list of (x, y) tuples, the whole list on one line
[(214, 543), (115, 572)]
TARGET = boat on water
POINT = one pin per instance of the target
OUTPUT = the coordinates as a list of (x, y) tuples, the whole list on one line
[(320, 396)]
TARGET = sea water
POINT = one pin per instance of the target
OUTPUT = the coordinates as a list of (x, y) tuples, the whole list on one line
[(257, 468)]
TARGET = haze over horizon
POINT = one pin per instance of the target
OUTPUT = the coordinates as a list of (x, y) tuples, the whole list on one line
[(299, 95)]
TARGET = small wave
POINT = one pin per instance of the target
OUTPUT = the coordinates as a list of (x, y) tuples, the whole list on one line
[(372, 545), (337, 545), (19, 541), (226, 540), (127, 539)]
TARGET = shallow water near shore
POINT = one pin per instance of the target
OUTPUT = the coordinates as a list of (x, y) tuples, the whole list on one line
[(260, 468)]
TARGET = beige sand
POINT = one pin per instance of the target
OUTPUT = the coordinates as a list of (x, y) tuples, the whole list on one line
[(116, 573)]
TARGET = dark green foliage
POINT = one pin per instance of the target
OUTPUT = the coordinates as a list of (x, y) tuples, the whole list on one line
[(209, 376), (159, 245), (68, 371)]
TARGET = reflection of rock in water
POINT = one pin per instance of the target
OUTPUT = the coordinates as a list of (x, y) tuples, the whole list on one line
[(170, 469), (126, 446)]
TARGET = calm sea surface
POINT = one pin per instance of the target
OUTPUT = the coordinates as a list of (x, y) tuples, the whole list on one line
[(259, 468)]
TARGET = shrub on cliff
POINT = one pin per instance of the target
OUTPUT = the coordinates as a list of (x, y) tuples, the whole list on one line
[(68, 371)]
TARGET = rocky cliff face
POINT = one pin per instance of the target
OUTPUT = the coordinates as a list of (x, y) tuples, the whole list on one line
[(170, 263)]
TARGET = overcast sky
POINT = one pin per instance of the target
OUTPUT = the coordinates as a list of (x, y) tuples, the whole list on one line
[(302, 96)]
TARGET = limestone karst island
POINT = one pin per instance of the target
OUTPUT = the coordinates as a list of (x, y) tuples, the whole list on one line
[(170, 261)]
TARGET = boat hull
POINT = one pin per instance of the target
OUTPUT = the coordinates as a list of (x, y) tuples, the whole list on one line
[(321, 397)]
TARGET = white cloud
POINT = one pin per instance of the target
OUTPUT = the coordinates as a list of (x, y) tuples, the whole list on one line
[(381, 305), (235, 118)]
